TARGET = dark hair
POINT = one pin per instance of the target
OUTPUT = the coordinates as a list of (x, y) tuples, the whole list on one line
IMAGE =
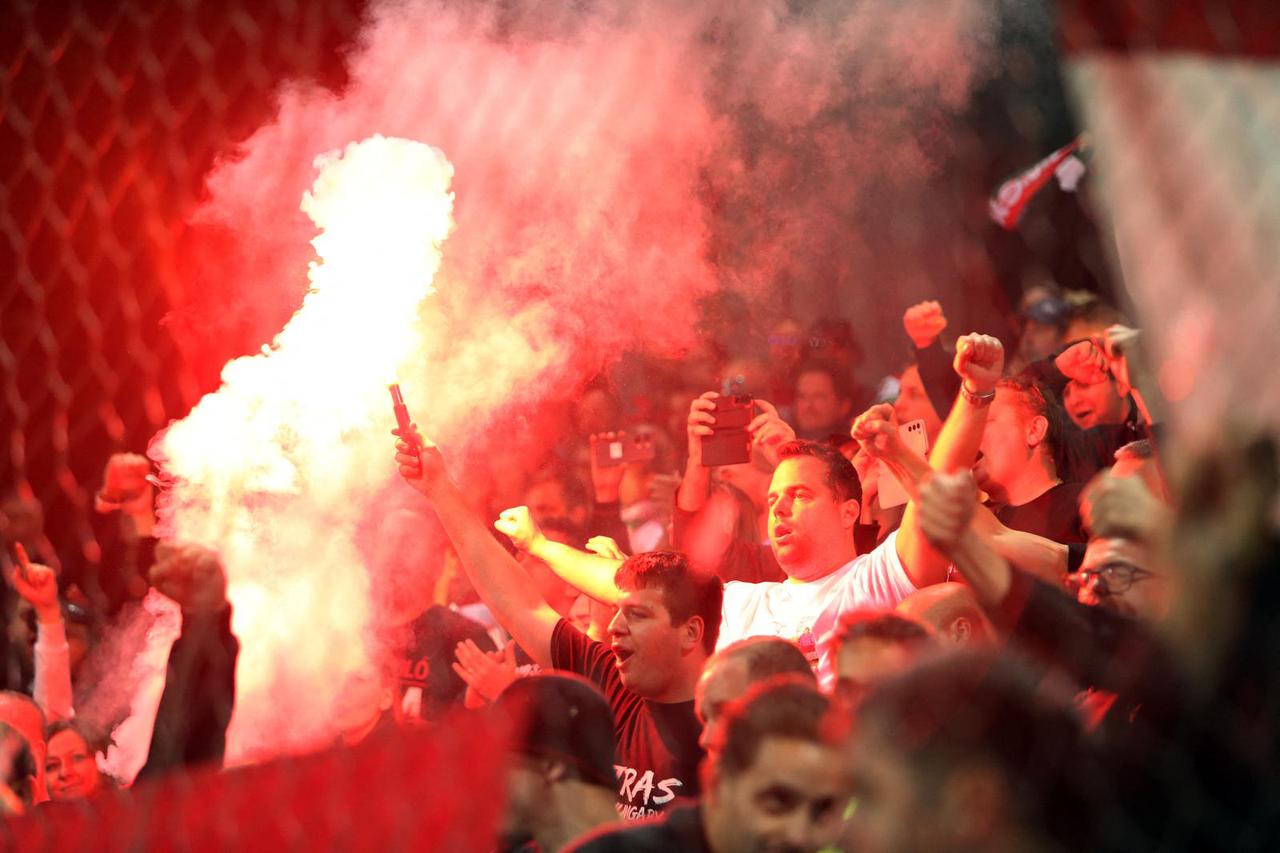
[(22, 767), (840, 381), (575, 491), (984, 709), (768, 657), (1037, 400), (841, 478), (783, 707), (686, 591), (878, 625), (96, 740), (566, 528)]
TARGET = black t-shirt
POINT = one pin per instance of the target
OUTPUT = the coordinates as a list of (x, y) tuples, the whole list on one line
[(1054, 515), (424, 658), (658, 750)]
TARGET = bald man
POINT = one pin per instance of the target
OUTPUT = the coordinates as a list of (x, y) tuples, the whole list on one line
[(952, 612)]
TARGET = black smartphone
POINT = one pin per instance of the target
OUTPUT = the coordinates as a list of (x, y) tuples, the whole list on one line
[(729, 443), (623, 449)]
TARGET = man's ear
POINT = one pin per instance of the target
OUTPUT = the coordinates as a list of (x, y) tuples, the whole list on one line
[(692, 633), (1037, 429), (850, 511), (961, 631)]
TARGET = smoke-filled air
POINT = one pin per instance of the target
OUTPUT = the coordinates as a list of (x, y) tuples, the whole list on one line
[(611, 166)]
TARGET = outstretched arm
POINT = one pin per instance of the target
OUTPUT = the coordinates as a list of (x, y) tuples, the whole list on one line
[(502, 583), (586, 572), (52, 689), (979, 362)]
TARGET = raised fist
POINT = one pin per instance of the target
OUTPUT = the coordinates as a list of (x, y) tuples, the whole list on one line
[(979, 362), (876, 430), (924, 321), (518, 524), (191, 575), (1084, 362), (125, 484)]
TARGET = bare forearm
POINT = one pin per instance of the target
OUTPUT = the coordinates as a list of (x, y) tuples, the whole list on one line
[(694, 488), (988, 574), (501, 582), (587, 572), (960, 437), (1036, 555)]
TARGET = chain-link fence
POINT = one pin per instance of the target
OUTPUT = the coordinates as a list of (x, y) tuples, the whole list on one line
[(154, 154)]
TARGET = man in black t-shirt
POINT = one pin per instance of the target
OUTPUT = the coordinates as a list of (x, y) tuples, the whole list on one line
[(777, 780), (667, 625)]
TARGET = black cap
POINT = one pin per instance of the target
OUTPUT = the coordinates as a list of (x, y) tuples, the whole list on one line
[(566, 718)]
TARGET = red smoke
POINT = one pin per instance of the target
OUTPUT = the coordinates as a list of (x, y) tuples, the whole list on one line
[(611, 167)]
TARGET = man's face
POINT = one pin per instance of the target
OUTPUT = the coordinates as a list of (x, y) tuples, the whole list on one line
[(70, 768), (647, 648), (913, 403), (526, 796), (889, 816), (792, 798), (1005, 449), (547, 500), (809, 527), (818, 407), (1120, 575), (863, 662), (1095, 404), (724, 680)]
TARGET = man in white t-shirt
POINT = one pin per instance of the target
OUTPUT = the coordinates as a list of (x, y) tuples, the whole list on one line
[(813, 507)]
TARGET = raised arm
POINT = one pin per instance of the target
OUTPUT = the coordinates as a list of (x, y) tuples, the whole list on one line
[(586, 572), (52, 689), (877, 431), (979, 362), (947, 505), (502, 583)]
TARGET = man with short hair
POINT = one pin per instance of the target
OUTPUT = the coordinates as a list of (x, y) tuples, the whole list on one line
[(560, 779), (666, 626), (738, 666), (1021, 467), (824, 401), (775, 779), (870, 646)]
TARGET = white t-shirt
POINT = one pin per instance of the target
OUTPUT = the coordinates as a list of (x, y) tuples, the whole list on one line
[(806, 612)]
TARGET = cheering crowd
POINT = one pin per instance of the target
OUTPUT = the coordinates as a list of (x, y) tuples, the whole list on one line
[(751, 604)]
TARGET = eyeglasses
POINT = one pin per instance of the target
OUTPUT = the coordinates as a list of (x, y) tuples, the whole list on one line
[(1113, 578)]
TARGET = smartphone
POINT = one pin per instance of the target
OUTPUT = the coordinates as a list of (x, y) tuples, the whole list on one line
[(729, 443), (403, 421), (622, 450), (891, 493)]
